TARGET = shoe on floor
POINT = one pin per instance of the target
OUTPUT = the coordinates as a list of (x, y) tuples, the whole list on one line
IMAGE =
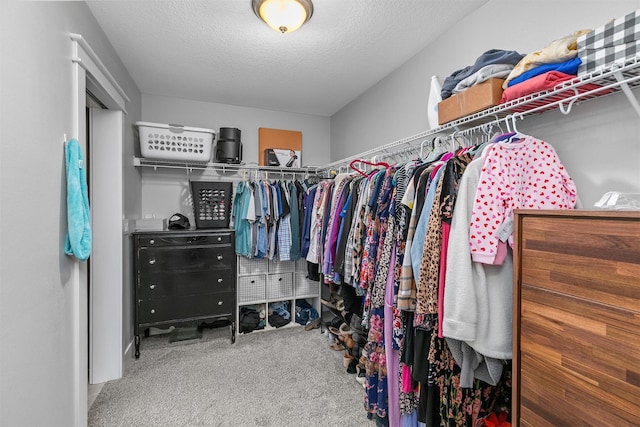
[(351, 367), (361, 377), (336, 346), (346, 361), (314, 324)]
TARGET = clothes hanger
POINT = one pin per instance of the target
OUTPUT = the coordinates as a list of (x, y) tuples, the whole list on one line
[(422, 148), (435, 150), (517, 135), (354, 162)]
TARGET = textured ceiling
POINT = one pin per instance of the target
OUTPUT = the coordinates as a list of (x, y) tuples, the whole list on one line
[(219, 51)]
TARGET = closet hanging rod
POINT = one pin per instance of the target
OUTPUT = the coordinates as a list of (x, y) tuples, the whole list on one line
[(422, 137)]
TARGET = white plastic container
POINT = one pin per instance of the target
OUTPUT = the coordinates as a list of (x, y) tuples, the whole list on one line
[(432, 105), (175, 142)]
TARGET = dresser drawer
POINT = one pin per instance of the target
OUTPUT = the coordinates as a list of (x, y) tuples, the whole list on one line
[(159, 285), (185, 308), (185, 260), (589, 258), (177, 239)]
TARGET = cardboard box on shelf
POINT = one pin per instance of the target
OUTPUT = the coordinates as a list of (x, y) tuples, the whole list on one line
[(477, 98)]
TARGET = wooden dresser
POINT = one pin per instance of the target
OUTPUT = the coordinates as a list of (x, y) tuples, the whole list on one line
[(576, 342)]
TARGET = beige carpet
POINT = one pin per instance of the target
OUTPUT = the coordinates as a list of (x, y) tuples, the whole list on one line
[(285, 377)]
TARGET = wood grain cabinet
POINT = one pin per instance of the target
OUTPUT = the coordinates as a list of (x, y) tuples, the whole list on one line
[(576, 356), (182, 278)]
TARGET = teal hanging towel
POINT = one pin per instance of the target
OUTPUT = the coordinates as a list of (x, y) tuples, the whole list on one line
[(78, 241)]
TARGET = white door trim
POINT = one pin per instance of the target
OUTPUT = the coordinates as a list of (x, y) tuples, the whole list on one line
[(90, 72)]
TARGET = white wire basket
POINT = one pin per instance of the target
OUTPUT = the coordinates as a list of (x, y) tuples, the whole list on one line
[(251, 288), (279, 286), (175, 142), (304, 287)]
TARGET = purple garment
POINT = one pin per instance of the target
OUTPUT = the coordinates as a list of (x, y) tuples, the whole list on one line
[(392, 355), (332, 236)]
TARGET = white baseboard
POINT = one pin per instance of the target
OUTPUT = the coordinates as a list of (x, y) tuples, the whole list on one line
[(127, 358)]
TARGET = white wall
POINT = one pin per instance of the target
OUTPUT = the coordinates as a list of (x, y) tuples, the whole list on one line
[(598, 143), (36, 287), (166, 192)]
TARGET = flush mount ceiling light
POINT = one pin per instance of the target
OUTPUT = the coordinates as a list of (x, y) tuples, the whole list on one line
[(284, 16)]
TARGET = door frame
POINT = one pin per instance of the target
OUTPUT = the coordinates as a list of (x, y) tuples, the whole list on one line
[(89, 72)]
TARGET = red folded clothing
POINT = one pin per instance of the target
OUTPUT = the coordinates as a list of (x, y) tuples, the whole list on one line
[(538, 83)]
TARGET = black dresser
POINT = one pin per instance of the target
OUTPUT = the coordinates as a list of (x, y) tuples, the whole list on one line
[(184, 278)]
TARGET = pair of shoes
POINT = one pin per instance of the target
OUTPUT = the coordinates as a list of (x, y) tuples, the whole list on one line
[(348, 341), (336, 346), (343, 337), (345, 329), (351, 369), (314, 324), (347, 359), (336, 322), (361, 377)]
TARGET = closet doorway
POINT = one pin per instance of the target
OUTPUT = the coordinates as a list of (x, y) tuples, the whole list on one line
[(105, 278), (97, 311)]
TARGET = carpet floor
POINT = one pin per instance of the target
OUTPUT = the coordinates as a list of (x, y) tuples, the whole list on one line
[(284, 377)]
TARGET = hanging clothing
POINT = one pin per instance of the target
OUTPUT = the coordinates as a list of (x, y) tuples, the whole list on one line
[(437, 319), (524, 174), (240, 219), (482, 320), (309, 197), (294, 250), (79, 235), (376, 397)]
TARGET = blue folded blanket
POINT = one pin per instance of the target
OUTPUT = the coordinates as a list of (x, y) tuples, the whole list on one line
[(567, 67), (78, 241)]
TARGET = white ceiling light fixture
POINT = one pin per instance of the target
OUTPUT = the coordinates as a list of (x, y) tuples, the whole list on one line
[(284, 16)]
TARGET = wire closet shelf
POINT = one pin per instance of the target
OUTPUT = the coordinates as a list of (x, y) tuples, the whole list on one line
[(620, 76), (225, 167)]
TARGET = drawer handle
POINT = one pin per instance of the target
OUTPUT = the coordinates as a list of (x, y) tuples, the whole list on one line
[(220, 280), (219, 257), (152, 242), (219, 239), (152, 286), (152, 261), (253, 281), (153, 311), (280, 279), (220, 302)]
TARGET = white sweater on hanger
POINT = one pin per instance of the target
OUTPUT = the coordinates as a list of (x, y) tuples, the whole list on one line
[(477, 297)]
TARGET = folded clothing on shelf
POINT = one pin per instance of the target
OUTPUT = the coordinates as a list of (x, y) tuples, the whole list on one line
[(535, 84)]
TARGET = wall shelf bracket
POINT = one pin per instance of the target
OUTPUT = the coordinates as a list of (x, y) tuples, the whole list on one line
[(627, 91)]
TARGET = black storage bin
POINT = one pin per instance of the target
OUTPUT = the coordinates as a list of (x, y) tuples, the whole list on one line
[(211, 203)]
